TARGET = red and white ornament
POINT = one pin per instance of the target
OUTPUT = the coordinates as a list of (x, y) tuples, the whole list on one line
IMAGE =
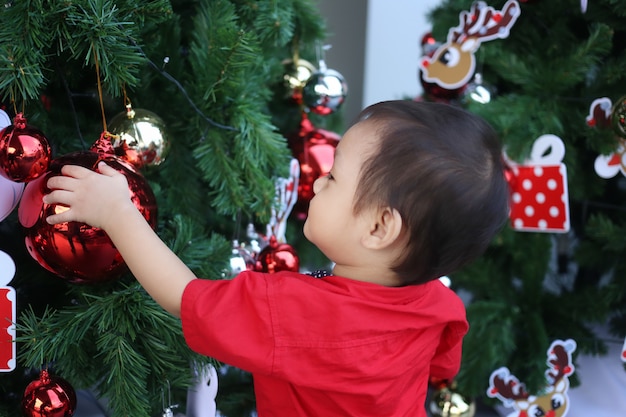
[(603, 114), (7, 314), (539, 196), (553, 399)]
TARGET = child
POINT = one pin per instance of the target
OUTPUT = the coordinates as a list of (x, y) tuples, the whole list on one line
[(416, 191)]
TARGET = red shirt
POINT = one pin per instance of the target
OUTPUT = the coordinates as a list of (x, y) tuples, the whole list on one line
[(328, 346)]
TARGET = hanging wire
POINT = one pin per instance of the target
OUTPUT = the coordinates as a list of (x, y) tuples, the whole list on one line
[(181, 88)]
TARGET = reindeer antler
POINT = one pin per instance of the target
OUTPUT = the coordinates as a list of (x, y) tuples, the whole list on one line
[(484, 23), (560, 360), (506, 387)]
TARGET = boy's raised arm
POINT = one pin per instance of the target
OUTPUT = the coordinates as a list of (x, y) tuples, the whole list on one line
[(103, 200)]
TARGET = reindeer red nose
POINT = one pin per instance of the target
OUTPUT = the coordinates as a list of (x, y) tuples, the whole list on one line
[(550, 413)]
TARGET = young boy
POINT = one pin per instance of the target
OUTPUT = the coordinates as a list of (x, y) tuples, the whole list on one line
[(416, 191)]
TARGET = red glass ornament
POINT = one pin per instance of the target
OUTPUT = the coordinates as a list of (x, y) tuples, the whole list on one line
[(315, 150), (24, 151), (76, 251), (49, 396), (276, 257)]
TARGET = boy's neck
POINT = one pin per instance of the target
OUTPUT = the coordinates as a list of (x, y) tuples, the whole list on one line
[(380, 276)]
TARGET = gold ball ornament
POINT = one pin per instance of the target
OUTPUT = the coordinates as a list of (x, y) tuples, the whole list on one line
[(140, 137), (618, 117), (446, 402), (296, 76)]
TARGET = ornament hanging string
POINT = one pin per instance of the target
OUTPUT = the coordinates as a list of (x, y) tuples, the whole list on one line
[(105, 133), (95, 57)]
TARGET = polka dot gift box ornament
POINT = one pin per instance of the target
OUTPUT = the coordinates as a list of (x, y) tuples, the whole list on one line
[(7, 314), (539, 196)]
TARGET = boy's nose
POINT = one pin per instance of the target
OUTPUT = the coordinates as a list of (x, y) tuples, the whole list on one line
[(317, 184)]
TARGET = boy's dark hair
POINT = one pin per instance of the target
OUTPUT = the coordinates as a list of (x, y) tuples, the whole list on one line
[(441, 168)]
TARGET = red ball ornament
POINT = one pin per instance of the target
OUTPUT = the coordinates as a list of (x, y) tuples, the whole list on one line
[(24, 151), (276, 257), (49, 396), (437, 93), (76, 251), (315, 151)]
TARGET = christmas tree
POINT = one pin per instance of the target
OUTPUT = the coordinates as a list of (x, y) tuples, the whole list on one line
[(210, 77), (543, 77)]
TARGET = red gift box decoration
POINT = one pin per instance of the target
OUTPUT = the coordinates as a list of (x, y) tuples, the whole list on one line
[(539, 197), (7, 314)]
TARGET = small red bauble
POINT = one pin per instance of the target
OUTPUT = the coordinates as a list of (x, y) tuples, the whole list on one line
[(24, 151), (76, 251), (315, 151), (49, 396), (276, 257)]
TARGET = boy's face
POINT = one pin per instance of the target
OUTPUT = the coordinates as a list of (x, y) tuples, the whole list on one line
[(331, 224)]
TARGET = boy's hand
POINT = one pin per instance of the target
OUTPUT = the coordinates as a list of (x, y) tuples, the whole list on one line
[(97, 199)]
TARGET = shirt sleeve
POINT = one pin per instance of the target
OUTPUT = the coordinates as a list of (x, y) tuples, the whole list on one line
[(230, 320), (447, 360)]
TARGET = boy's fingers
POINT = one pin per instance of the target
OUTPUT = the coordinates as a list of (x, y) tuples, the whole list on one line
[(105, 169)]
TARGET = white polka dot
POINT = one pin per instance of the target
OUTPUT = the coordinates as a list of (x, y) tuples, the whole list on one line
[(519, 223), (527, 184), (538, 171), (554, 211), (529, 211), (541, 198), (543, 224), (552, 184), (516, 198)]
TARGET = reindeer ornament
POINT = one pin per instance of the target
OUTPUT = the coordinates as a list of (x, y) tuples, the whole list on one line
[(553, 401), (453, 63)]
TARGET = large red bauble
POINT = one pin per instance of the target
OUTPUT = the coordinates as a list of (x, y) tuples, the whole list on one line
[(49, 396), (276, 257), (24, 151), (315, 150), (76, 251)]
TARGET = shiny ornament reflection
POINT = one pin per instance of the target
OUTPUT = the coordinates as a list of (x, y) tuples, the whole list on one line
[(49, 396), (325, 91), (478, 91), (142, 138), (276, 257), (446, 402), (296, 77), (76, 251), (315, 151), (24, 151)]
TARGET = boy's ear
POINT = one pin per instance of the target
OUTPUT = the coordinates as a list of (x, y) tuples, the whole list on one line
[(385, 229)]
